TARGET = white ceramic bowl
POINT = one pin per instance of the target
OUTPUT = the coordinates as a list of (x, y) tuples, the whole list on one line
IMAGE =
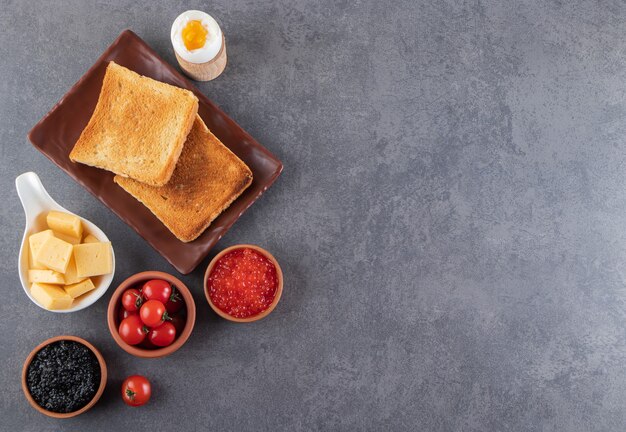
[(37, 203)]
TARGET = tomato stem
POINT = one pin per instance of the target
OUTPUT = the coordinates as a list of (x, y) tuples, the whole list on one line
[(138, 301), (131, 394), (174, 297)]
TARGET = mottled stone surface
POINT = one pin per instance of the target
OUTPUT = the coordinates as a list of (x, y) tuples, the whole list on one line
[(451, 220)]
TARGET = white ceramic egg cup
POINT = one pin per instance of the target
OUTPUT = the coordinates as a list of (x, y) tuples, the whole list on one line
[(37, 203)]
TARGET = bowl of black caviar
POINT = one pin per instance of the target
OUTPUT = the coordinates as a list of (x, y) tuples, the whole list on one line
[(64, 376)]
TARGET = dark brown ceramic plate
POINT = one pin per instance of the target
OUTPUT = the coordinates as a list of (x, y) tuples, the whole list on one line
[(57, 132)]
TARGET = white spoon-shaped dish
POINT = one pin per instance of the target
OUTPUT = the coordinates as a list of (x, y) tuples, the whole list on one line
[(37, 203)]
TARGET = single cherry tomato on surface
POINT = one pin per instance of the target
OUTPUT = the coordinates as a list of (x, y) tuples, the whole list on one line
[(175, 303), (131, 299), (132, 330), (153, 313), (157, 289), (162, 335), (136, 390), (123, 313), (178, 321)]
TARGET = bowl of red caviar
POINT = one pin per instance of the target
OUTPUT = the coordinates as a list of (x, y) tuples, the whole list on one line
[(243, 283)]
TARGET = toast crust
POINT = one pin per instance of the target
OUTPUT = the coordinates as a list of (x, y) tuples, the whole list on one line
[(207, 179), (138, 127)]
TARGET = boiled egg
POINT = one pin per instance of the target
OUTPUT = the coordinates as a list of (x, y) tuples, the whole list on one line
[(196, 36)]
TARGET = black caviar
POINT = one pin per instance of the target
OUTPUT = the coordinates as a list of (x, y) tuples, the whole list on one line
[(63, 376)]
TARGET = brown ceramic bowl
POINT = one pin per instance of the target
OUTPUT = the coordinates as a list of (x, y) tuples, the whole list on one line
[(103, 377), (115, 304), (279, 288)]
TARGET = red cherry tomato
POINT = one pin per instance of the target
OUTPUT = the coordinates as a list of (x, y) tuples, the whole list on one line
[(136, 390), (157, 289), (175, 303), (163, 335), (132, 331), (178, 321), (146, 344), (123, 313), (153, 313), (131, 299)]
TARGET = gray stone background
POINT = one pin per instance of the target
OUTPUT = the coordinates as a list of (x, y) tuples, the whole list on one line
[(451, 219)]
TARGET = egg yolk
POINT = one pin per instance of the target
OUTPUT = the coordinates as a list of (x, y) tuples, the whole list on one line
[(194, 35)]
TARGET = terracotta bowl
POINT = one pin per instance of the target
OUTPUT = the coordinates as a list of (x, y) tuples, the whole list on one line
[(279, 288), (115, 304), (103, 377)]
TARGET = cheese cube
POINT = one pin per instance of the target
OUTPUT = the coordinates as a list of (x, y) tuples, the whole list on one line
[(66, 238), (46, 276), (51, 296), (79, 288), (89, 238), (34, 244), (55, 254), (65, 224), (93, 259), (70, 273)]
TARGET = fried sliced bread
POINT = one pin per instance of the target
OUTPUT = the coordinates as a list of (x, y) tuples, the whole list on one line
[(207, 179), (138, 128)]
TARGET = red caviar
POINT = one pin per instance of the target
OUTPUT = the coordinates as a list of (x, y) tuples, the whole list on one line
[(243, 283)]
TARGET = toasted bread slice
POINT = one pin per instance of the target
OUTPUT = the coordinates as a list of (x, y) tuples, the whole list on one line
[(207, 179), (138, 128)]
